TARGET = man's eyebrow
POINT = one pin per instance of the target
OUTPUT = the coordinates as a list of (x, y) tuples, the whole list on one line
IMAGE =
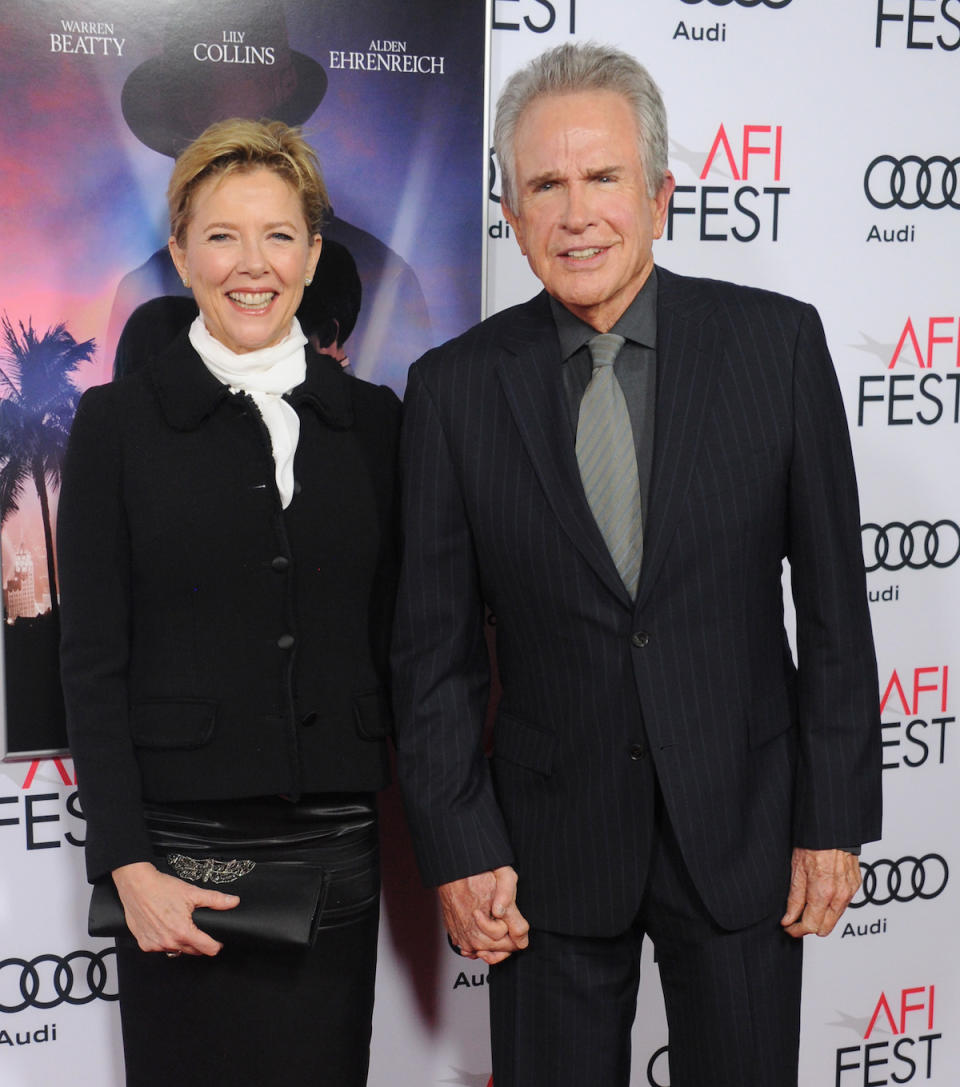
[(603, 171), (540, 179)]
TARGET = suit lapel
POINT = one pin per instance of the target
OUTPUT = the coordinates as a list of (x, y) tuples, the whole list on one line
[(530, 376), (688, 359)]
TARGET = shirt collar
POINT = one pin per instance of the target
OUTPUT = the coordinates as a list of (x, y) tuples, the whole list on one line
[(637, 323)]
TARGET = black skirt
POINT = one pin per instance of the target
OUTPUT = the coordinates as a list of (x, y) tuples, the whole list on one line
[(260, 1016)]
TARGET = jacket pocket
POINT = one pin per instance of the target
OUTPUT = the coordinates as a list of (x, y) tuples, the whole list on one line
[(372, 714), (173, 723), (524, 744)]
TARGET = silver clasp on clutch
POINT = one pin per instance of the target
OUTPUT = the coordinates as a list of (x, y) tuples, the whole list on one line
[(209, 870)]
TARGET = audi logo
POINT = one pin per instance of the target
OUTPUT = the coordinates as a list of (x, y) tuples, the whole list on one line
[(901, 881), (49, 980), (743, 3), (912, 182), (916, 546)]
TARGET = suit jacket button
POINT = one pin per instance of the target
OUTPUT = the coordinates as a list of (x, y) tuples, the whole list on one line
[(640, 639), (637, 752), (297, 486), (285, 641), (309, 719), (281, 563)]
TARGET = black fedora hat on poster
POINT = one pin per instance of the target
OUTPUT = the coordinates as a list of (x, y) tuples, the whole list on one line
[(220, 59)]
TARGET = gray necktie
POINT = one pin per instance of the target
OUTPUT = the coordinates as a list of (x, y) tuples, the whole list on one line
[(608, 461)]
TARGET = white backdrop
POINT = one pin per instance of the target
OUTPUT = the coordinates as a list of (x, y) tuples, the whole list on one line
[(809, 94)]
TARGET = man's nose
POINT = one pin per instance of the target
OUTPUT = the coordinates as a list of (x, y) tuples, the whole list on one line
[(579, 210)]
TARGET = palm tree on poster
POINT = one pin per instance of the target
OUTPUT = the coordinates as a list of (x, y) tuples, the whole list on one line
[(38, 400)]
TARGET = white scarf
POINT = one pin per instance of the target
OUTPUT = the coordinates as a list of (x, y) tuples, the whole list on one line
[(264, 375)]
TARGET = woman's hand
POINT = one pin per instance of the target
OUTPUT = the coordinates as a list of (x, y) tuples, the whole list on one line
[(159, 909)]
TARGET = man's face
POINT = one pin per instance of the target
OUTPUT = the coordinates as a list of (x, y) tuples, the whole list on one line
[(584, 220)]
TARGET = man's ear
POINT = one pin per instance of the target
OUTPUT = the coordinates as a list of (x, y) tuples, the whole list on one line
[(515, 225), (661, 202)]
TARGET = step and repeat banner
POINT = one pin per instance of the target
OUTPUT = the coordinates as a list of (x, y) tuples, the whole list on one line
[(816, 152)]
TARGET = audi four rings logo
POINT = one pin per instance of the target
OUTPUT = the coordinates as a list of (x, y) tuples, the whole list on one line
[(744, 3), (912, 182), (49, 980), (916, 546), (903, 880)]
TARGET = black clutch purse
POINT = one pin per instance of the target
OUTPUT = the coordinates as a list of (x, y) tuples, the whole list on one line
[(281, 902)]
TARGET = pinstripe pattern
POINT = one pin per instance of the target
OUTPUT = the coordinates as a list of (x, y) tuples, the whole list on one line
[(752, 464), (561, 1012)]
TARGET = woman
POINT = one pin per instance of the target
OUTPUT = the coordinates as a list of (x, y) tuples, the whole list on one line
[(226, 550)]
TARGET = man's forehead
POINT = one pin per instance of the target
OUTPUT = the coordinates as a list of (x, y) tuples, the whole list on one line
[(554, 126)]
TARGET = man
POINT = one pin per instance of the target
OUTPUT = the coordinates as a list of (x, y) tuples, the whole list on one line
[(659, 767)]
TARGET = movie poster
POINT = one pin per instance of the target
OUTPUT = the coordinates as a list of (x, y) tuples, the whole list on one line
[(99, 96)]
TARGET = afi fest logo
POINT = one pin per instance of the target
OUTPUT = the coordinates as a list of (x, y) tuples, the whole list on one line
[(925, 390), (908, 1056), (45, 819), (748, 160), (918, 24), (918, 701)]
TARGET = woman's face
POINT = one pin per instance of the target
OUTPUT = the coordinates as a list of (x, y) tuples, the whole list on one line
[(248, 252)]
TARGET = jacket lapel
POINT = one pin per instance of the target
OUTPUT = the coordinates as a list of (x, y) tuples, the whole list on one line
[(688, 360), (530, 376)]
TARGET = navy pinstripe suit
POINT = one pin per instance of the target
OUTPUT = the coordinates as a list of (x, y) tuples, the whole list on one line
[(752, 464)]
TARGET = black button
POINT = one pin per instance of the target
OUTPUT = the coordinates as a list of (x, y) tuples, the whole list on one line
[(280, 563), (285, 641), (309, 719), (637, 752), (297, 486), (640, 639)]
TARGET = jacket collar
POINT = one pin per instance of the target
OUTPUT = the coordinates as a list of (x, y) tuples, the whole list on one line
[(688, 350), (189, 393)]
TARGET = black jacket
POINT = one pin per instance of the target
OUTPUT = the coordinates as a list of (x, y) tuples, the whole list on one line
[(215, 645), (751, 465)]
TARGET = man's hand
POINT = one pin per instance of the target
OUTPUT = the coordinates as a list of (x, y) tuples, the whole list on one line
[(822, 882), (481, 915)]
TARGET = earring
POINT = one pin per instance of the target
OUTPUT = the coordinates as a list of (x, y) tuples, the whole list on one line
[(308, 281), (186, 281)]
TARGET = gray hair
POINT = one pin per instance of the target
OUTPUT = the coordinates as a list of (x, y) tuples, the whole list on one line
[(569, 69)]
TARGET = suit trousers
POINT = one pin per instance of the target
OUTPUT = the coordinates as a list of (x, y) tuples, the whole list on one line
[(561, 1011)]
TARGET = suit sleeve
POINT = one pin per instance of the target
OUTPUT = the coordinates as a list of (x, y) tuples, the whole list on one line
[(441, 671), (93, 551), (838, 794)]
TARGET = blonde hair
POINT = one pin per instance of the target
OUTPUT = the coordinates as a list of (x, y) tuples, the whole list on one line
[(239, 146)]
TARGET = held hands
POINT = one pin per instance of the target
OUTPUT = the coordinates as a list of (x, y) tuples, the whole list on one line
[(159, 908), (822, 882), (481, 915)]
